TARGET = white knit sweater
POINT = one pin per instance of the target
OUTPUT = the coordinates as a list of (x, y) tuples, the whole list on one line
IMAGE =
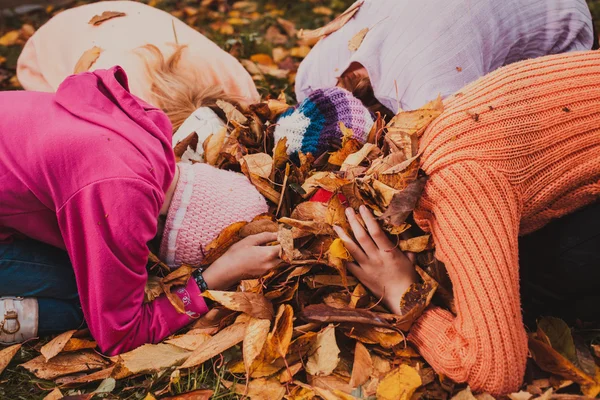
[(415, 50)]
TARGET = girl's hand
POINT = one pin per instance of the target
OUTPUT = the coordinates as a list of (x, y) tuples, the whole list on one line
[(246, 259), (380, 265)]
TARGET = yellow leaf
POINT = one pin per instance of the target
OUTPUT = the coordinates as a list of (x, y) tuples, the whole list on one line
[(357, 39), (259, 389), (337, 249), (55, 346), (217, 344), (416, 244), (7, 354), (213, 145), (324, 353), (300, 51), (263, 59), (9, 38), (253, 304), (87, 59), (75, 344), (323, 10), (189, 341), (399, 384)]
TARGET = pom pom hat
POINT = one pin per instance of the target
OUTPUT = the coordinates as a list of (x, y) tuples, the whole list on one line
[(206, 201), (314, 125)]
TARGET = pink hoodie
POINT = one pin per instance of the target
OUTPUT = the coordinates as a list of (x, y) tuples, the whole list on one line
[(86, 170)]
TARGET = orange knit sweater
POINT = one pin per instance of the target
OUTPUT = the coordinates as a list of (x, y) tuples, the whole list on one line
[(512, 151)]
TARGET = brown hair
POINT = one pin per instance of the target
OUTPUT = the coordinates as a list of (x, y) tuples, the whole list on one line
[(173, 92), (361, 88)]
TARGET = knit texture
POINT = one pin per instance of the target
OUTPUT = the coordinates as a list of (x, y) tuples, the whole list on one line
[(417, 50), (510, 152), (314, 125), (206, 201)]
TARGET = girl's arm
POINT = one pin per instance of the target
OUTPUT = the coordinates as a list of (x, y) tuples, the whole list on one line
[(473, 214)]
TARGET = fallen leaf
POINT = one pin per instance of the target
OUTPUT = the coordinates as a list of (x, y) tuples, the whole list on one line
[(105, 16), (217, 344), (332, 26), (368, 334), (279, 339), (79, 379), (357, 39), (399, 384), (288, 374), (10, 38), (228, 237), (367, 152), (189, 341), (55, 394), (465, 394), (212, 146), (520, 396), (559, 334), (7, 354), (253, 304), (262, 58), (55, 346), (106, 386), (257, 333), (64, 364), (204, 394), (231, 112), (87, 59), (323, 313), (351, 146), (286, 241), (362, 368), (300, 51), (403, 203), (324, 354), (259, 389), (416, 244), (149, 358)]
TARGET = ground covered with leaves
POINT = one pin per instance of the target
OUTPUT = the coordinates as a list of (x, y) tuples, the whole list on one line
[(307, 329)]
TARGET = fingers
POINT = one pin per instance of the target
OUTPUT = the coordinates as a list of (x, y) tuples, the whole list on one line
[(261, 238), (355, 270), (355, 251), (362, 236), (377, 234)]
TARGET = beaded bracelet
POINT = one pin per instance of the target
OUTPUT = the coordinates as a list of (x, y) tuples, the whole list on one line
[(197, 275)]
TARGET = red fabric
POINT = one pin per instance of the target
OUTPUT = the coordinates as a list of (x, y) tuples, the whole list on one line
[(323, 196)]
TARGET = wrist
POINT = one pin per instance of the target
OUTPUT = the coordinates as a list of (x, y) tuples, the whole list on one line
[(214, 278), (198, 276)]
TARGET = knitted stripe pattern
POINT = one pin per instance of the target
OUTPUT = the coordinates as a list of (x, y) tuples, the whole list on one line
[(511, 151), (314, 125), (206, 201)]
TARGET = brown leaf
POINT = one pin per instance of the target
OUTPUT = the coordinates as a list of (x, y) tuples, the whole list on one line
[(105, 16), (87, 59), (259, 389), (324, 353), (416, 244), (253, 304), (7, 354), (55, 394), (286, 241), (79, 379), (278, 340), (231, 112), (318, 281), (333, 26), (323, 179), (258, 226), (403, 203), (399, 384), (189, 341), (265, 188), (149, 358), (367, 152), (323, 313), (178, 277), (257, 333), (64, 364), (260, 164), (280, 156), (362, 367), (227, 238), (217, 344), (465, 394), (204, 394), (310, 211), (55, 346), (357, 39), (152, 290), (190, 141), (386, 338), (415, 122), (213, 145), (415, 300)]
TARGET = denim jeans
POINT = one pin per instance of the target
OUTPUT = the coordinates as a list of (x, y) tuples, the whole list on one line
[(33, 269)]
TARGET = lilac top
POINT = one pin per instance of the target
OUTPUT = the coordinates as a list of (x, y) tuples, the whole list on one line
[(86, 170), (415, 50)]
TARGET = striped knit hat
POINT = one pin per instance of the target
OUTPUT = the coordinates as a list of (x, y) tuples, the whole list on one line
[(314, 125), (206, 201)]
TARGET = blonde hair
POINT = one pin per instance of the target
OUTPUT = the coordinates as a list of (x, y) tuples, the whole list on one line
[(173, 91)]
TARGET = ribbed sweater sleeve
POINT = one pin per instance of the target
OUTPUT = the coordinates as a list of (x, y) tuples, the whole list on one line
[(473, 214)]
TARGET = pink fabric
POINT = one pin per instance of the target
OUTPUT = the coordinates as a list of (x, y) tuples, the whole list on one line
[(86, 170), (53, 51), (206, 201)]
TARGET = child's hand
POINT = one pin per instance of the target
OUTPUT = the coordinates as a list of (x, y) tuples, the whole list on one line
[(244, 260), (380, 265)]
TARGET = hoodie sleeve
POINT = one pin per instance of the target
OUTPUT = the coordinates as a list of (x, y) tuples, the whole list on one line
[(106, 226)]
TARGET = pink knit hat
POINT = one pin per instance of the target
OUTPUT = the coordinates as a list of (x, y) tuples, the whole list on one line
[(206, 201)]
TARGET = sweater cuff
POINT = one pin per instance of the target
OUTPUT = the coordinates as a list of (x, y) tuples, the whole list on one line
[(194, 305), (432, 324)]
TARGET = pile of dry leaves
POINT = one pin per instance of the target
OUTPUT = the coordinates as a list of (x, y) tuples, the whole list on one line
[(308, 329)]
